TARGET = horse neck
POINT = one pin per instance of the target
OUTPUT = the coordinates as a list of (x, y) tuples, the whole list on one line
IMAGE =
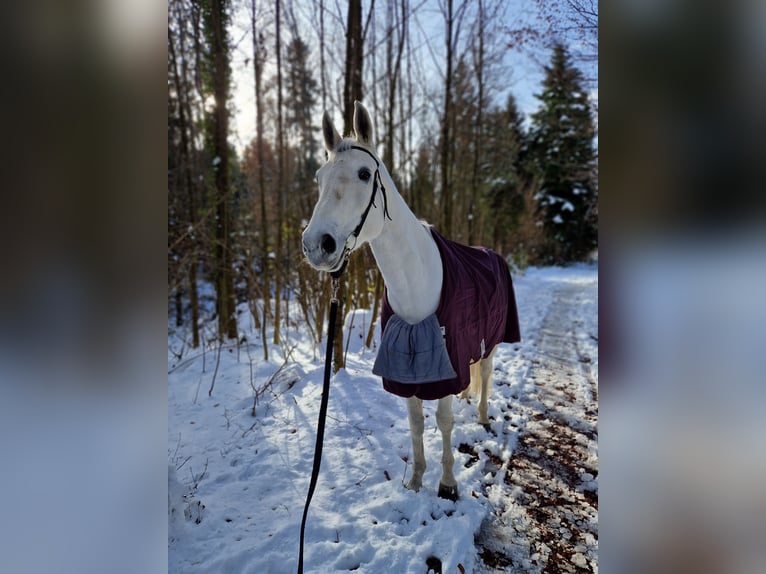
[(409, 260)]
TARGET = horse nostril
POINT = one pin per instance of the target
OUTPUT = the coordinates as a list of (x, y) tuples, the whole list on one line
[(328, 244)]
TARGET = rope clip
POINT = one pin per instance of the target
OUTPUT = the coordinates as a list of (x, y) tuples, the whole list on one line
[(335, 286)]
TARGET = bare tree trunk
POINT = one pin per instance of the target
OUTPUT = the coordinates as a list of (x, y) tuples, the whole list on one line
[(322, 66), (478, 128), (352, 89), (446, 192), (181, 91), (394, 66), (227, 320), (258, 55), (404, 156), (375, 309), (179, 307), (372, 92), (280, 184), (410, 110)]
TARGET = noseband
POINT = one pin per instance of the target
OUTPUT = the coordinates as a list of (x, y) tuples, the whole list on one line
[(376, 182)]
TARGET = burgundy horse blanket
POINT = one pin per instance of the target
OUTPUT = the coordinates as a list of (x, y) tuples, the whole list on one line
[(477, 310)]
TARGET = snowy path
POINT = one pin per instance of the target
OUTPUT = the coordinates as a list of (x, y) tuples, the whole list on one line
[(528, 488), (550, 523)]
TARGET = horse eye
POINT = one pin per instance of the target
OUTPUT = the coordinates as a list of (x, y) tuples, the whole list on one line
[(364, 174)]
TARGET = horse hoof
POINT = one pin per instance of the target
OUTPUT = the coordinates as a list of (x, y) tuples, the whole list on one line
[(415, 487), (486, 427), (434, 564), (448, 492)]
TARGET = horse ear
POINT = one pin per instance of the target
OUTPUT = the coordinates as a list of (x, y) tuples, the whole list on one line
[(331, 135), (362, 124)]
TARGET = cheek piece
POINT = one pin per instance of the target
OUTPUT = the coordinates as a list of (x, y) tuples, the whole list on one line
[(351, 239)]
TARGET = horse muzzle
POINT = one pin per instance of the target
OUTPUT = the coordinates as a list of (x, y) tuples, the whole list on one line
[(323, 251)]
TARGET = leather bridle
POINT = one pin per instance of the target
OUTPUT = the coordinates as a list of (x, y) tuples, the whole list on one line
[(376, 182)]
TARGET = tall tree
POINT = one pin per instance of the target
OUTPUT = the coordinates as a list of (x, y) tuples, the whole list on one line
[(322, 67), (423, 202), (478, 61), (352, 86), (397, 29), (279, 271), (352, 90), (464, 140), (302, 99), (183, 162), (563, 158), (503, 169), (216, 18), (446, 135), (259, 58), (453, 19)]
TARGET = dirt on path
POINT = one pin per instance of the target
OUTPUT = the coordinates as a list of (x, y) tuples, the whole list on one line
[(549, 520)]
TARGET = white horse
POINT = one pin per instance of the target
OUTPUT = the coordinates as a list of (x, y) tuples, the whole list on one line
[(358, 203)]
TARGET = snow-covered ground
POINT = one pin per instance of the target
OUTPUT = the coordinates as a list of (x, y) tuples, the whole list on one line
[(528, 489)]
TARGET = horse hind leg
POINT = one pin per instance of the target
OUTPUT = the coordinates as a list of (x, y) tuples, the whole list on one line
[(474, 388), (485, 368), (445, 422), (417, 427)]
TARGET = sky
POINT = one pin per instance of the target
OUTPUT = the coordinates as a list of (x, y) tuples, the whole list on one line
[(521, 70)]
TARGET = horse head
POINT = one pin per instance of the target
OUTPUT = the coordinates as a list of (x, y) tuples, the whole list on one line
[(352, 204)]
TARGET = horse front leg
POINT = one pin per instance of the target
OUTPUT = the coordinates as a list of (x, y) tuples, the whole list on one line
[(417, 426), (445, 422)]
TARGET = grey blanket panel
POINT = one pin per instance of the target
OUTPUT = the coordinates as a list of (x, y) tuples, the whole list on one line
[(413, 354)]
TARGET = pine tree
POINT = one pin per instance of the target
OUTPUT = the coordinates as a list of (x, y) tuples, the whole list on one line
[(302, 91), (422, 194), (503, 172), (562, 157), (302, 94), (463, 141)]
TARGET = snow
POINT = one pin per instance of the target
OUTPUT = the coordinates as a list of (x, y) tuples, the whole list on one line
[(237, 483)]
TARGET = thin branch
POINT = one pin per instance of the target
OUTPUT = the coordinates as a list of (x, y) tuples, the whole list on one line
[(197, 479), (215, 372), (369, 17)]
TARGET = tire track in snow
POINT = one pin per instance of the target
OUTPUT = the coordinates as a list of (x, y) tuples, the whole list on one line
[(550, 520)]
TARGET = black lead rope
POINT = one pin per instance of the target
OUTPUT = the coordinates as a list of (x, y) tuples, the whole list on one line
[(331, 339), (322, 407)]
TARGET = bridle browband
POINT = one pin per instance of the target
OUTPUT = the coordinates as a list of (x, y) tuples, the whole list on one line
[(376, 181)]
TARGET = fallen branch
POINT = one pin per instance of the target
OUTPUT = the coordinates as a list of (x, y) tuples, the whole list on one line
[(257, 393)]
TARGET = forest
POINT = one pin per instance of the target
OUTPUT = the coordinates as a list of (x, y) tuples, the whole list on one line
[(435, 78)]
